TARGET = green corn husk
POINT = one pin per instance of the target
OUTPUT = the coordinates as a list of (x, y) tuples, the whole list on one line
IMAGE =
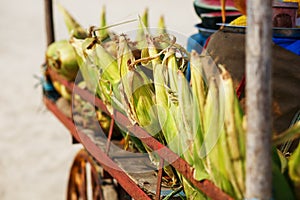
[(148, 48), (99, 68), (281, 188), (187, 125), (199, 87), (61, 57), (87, 68), (215, 148), (171, 68), (161, 26), (235, 134), (111, 47), (172, 103), (290, 134), (103, 32), (139, 98), (223, 163), (191, 132), (124, 57), (138, 94), (109, 73), (143, 25), (167, 111), (74, 28), (294, 170), (107, 64), (163, 39), (199, 93)]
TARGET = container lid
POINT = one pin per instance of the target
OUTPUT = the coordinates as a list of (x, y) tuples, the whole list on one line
[(219, 14)]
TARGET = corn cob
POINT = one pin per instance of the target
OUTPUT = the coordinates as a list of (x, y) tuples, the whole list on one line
[(198, 83), (142, 106), (191, 133), (235, 134), (214, 139), (87, 68), (62, 90), (168, 82), (138, 94), (199, 93), (61, 57), (167, 111), (108, 72)]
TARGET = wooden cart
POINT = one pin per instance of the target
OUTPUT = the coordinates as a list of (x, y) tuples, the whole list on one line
[(100, 166)]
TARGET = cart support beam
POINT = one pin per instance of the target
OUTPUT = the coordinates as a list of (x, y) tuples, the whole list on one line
[(49, 21), (259, 97)]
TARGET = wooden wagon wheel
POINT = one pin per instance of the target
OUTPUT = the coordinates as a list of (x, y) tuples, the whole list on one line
[(84, 179)]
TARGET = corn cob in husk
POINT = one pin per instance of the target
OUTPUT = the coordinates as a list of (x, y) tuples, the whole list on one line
[(87, 67), (61, 57), (62, 90), (138, 94), (235, 134), (173, 97)]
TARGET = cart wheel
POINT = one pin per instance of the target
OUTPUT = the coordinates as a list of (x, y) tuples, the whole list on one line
[(85, 179)]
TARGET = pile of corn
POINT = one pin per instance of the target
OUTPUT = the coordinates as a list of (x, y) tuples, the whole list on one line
[(200, 120)]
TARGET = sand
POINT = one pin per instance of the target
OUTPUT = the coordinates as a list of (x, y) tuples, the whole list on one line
[(36, 149)]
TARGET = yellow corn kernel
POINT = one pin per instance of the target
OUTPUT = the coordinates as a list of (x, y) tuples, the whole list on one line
[(240, 21)]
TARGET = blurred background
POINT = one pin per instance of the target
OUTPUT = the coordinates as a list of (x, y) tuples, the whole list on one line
[(36, 150)]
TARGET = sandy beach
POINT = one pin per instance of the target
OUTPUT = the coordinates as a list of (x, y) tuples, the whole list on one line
[(36, 149)]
